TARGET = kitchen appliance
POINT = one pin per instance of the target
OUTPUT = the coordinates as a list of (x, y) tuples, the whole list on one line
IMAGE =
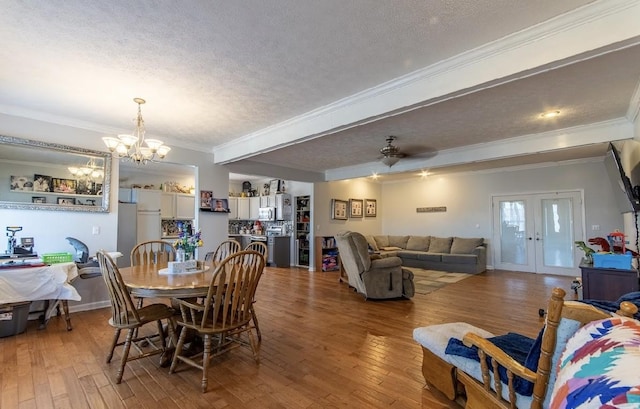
[(284, 206), (127, 232), (267, 214), (149, 225)]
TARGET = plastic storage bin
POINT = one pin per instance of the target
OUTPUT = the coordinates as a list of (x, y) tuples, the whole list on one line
[(53, 258), (13, 318), (620, 261)]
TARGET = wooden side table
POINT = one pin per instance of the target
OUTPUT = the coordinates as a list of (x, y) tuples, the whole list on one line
[(607, 283)]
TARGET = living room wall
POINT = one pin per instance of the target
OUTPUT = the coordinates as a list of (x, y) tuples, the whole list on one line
[(468, 199)]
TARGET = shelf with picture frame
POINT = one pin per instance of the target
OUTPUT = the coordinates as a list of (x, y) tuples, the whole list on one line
[(52, 198)]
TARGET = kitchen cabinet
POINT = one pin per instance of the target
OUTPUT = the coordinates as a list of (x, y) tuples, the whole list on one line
[(147, 199), (268, 201), (254, 207), (177, 206), (233, 208), (239, 208)]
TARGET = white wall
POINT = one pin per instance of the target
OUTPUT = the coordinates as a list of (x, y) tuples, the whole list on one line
[(49, 228), (468, 199)]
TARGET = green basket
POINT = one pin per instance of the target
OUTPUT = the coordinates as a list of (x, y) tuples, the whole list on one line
[(53, 258)]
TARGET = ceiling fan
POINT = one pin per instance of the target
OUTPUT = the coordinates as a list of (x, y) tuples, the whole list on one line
[(390, 153)]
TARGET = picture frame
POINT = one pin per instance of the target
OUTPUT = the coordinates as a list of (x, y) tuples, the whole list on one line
[(274, 186), (205, 199), (220, 205), (38, 199), (21, 183), (370, 208), (66, 201), (41, 183), (355, 208), (339, 209), (59, 185)]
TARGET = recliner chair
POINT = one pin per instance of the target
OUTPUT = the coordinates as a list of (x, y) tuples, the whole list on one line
[(375, 278)]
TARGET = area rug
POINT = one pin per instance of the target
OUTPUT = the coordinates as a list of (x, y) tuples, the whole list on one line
[(427, 281)]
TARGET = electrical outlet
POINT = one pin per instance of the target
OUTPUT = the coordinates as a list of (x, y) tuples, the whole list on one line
[(595, 227), (96, 230)]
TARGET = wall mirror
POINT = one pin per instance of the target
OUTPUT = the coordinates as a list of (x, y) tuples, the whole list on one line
[(38, 175)]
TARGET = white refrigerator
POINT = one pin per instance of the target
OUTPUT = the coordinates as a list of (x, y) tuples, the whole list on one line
[(149, 225)]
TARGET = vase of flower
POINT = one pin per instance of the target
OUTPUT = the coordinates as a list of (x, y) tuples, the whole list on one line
[(180, 255)]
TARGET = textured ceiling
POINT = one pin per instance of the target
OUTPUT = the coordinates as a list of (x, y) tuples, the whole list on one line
[(215, 73)]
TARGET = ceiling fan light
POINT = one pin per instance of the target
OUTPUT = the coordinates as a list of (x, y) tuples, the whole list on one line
[(390, 160)]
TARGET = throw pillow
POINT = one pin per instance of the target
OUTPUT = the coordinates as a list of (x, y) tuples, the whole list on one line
[(465, 246), (382, 241), (372, 243), (418, 243), (440, 244), (398, 241)]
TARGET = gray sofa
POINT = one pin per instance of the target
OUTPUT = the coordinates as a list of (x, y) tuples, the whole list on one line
[(453, 254)]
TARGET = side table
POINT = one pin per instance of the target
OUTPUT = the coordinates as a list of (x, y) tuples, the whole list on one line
[(607, 283)]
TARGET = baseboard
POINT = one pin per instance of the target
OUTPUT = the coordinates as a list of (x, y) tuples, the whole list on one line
[(90, 306)]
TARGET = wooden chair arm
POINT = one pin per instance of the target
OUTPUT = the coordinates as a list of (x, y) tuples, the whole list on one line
[(499, 356)]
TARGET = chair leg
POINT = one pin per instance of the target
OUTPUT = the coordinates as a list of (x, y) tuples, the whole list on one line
[(67, 317), (255, 324), (178, 351), (206, 356), (255, 347), (125, 354), (116, 336)]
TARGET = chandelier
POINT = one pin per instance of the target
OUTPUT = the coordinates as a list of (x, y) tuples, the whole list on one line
[(131, 146), (90, 171)]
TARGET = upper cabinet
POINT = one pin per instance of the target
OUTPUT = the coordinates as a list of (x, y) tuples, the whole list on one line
[(254, 207), (177, 206), (146, 199)]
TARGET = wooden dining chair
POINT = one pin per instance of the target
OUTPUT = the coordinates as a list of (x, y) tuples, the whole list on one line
[(223, 318), (261, 248), (224, 250), (126, 316), (153, 252)]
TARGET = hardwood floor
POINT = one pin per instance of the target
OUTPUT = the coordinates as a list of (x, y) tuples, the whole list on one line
[(323, 346)]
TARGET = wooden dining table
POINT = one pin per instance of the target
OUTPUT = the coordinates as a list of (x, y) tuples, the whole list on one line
[(146, 281)]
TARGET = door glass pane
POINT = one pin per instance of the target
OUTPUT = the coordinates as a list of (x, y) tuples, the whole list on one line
[(512, 232), (557, 232)]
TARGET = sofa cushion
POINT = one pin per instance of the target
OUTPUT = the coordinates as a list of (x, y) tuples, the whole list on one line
[(440, 244), (390, 248), (409, 254), (398, 241), (382, 241), (372, 243), (460, 258), (465, 246), (418, 243)]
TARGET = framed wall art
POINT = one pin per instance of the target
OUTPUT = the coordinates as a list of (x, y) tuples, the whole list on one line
[(355, 208), (338, 209), (370, 208), (205, 199), (66, 201)]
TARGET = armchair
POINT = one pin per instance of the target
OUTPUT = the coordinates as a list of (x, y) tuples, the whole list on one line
[(490, 379), (377, 278)]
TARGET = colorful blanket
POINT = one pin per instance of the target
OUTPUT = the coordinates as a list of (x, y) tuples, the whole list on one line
[(600, 367)]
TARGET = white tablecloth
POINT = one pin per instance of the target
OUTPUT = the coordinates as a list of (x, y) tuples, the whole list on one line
[(38, 283)]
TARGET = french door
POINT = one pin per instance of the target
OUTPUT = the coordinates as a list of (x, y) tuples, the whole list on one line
[(536, 232)]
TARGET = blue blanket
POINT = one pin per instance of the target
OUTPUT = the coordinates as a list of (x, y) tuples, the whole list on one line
[(613, 306), (524, 350)]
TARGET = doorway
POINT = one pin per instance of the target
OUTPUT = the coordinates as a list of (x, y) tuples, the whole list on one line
[(537, 232)]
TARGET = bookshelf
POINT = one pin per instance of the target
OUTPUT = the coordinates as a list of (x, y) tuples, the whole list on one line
[(302, 229), (326, 256)]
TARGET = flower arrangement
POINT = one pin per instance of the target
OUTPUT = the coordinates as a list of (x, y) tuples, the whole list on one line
[(187, 241)]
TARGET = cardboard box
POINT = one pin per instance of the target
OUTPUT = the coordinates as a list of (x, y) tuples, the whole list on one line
[(605, 260), (13, 318)]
